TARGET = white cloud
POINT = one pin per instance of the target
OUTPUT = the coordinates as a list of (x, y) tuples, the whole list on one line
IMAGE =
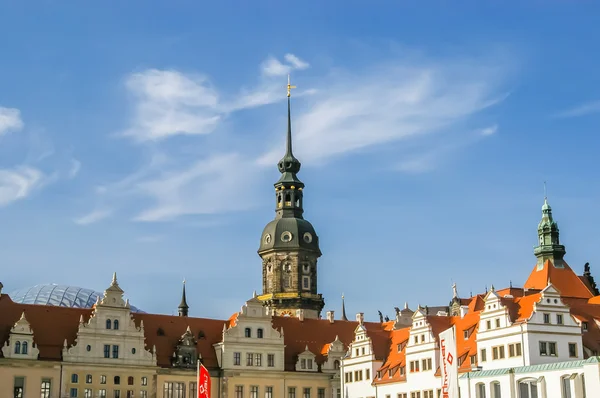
[(75, 167), (207, 186), (10, 120), (19, 183), (347, 112), (273, 67), (390, 103), (491, 130), (581, 110), (296, 62), (93, 217)]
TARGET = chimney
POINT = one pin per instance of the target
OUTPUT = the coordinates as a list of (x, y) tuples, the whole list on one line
[(330, 316), (463, 310), (300, 315), (360, 317)]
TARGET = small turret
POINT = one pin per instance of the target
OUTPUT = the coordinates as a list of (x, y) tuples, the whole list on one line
[(183, 306)]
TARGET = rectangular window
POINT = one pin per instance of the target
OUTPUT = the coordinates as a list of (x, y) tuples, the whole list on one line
[(193, 389), (483, 355), (102, 393), (489, 326), (573, 350), (115, 351), (552, 349), (473, 359), (497, 322), (103, 379), (117, 394), (45, 388), (144, 394), (239, 391), (271, 360), (131, 394), (87, 393), (306, 282), (306, 393), (258, 360), (321, 393), (237, 358), (291, 392), (179, 390), (546, 318), (339, 393), (249, 359), (466, 334), (168, 390), (19, 387), (543, 348), (253, 391), (309, 364), (74, 392), (416, 339), (559, 319), (106, 351), (269, 392), (368, 373), (302, 363), (144, 381), (498, 352)]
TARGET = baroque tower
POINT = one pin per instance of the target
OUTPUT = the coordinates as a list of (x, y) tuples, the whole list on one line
[(549, 247), (289, 246)]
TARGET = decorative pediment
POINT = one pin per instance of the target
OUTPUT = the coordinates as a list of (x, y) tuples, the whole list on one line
[(20, 341), (254, 308), (336, 350), (306, 362), (113, 296), (185, 354)]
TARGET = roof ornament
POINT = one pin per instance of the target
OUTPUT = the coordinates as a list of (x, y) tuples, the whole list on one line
[(492, 288), (289, 87), (114, 279), (406, 305), (380, 316), (454, 292)]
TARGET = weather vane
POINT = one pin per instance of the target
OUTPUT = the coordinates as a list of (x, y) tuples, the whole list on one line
[(289, 87)]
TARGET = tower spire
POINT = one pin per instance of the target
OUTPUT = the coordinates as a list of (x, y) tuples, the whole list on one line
[(344, 317), (183, 306)]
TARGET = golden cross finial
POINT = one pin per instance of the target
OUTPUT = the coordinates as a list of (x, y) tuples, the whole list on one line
[(289, 87)]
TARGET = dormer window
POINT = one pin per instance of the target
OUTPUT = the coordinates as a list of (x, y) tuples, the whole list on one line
[(585, 326), (248, 332), (466, 334), (259, 333), (108, 324)]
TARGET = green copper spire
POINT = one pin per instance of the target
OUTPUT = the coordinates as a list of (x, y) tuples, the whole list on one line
[(549, 247)]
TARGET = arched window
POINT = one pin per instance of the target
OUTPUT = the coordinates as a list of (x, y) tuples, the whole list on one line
[(480, 390), (248, 332), (130, 380), (288, 198), (18, 347), (336, 364), (24, 348), (116, 324), (108, 323), (566, 386), (495, 389), (528, 388), (259, 333), (74, 378), (117, 380)]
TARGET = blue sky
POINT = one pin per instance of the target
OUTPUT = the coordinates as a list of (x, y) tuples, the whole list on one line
[(141, 137)]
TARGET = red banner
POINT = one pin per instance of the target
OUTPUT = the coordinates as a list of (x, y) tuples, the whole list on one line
[(203, 382)]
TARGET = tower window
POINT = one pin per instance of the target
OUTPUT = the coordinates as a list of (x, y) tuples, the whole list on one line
[(108, 324), (248, 332), (116, 324), (288, 198), (306, 282)]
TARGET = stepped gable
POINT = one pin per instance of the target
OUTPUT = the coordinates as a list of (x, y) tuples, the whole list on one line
[(206, 332), (317, 333), (51, 325)]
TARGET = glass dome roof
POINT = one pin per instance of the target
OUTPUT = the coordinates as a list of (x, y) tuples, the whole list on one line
[(59, 295)]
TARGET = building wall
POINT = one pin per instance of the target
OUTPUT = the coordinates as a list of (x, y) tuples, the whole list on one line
[(33, 372)]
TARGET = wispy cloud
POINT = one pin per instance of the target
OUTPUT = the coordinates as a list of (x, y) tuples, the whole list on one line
[(10, 120), (581, 110), (345, 113), (273, 67), (93, 217), (75, 167), (491, 130), (19, 183)]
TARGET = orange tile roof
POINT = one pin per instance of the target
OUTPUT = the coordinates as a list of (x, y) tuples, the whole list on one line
[(563, 279)]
